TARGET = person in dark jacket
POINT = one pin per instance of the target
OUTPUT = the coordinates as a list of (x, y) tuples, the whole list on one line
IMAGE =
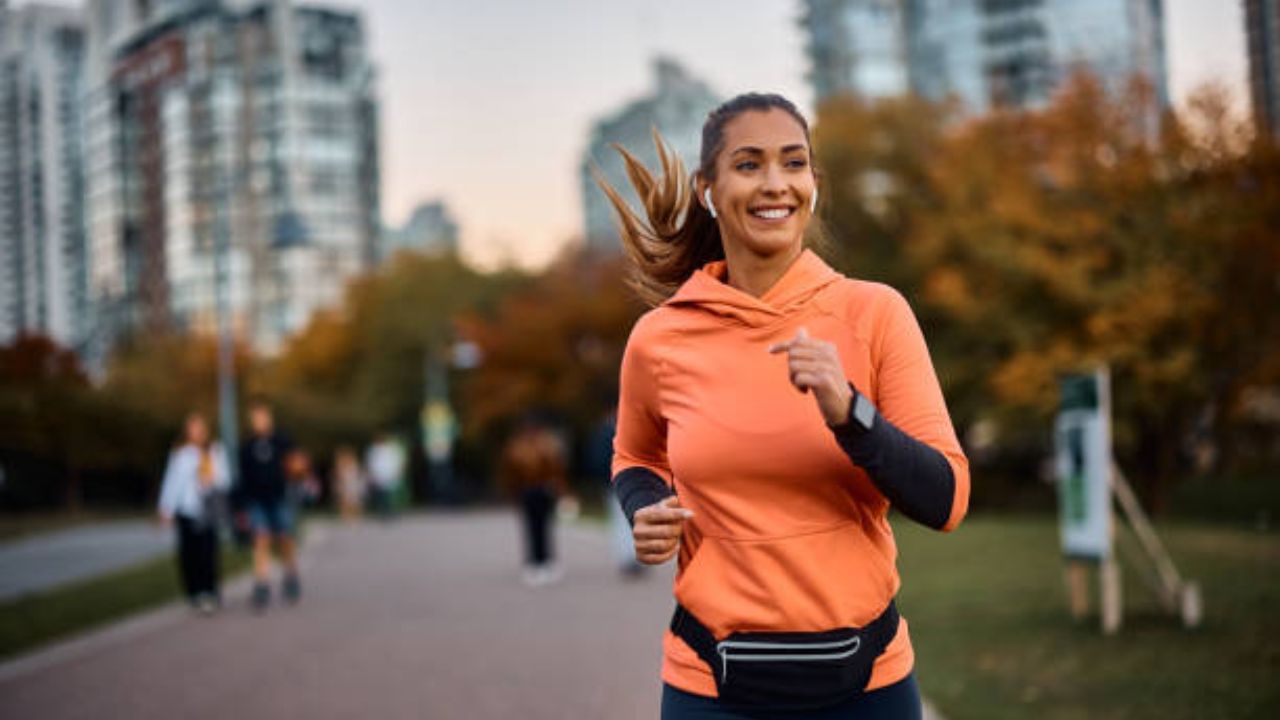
[(262, 496), (532, 471)]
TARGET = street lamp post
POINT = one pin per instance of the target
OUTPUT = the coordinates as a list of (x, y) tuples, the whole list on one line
[(226, 341), (439, 421)]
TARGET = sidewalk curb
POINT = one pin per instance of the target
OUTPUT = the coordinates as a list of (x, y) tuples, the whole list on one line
[(145, 622)]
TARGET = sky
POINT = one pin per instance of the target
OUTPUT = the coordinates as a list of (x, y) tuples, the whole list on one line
[(488, 104)]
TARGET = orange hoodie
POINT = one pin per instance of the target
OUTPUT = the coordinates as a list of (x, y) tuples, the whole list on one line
[(788, 534)]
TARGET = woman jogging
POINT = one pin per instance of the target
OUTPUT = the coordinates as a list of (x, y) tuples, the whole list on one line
[(771, 412), (194, 482)]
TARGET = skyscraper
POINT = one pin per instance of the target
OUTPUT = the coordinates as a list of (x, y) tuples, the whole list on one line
[(212, 120), (42, 242), (857, 46), (677, 107), (1262, 30), (430, 230), (989, 53)]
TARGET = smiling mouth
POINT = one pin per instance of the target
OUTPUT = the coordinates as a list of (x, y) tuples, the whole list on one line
[(773, 213)]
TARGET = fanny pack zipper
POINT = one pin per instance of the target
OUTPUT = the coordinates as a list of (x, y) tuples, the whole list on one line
[(725, 647)]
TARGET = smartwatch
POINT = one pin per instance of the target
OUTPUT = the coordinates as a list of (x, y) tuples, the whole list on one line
[(862, 414)]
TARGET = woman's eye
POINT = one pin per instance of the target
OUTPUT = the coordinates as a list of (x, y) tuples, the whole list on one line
[(746, 165), (797, 163)]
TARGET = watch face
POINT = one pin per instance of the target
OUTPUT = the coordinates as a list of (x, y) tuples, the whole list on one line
[(863, 411)]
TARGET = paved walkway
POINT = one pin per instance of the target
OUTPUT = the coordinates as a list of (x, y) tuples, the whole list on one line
[(424, 618), (45, 561)]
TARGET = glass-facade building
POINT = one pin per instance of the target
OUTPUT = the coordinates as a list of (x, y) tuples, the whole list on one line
[(42, 240), (857, 47), (677, 107), (249, 123), (990, 53), (430, 230), (1262, 33)]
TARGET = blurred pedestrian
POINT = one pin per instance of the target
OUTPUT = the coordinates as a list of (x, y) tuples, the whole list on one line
[(385, 460), (195, 479), (532, 472), (348, 484), (302, 487), (263, 493), (598, 458), (771, 412)]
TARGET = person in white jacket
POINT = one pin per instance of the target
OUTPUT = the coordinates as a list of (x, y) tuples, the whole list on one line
[(194, 479)]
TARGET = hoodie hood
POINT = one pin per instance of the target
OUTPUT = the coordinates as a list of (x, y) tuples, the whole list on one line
[(706, 289)]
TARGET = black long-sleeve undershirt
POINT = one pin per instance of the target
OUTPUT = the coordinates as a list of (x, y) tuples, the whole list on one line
[(916, 478), (638, 487)]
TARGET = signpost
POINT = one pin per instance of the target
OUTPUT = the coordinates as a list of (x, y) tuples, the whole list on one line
[(1083, 463), (1082, 440), (1088, 477)]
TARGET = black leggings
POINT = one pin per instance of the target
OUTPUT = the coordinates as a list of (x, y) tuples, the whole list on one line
[(197, 557), (537, 505), (899, 701)]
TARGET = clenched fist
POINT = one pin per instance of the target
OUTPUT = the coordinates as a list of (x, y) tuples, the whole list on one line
[(657, 529), (815, 365)]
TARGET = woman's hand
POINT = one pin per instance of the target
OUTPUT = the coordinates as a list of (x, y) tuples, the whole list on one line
[(815, 365), (657, 530)]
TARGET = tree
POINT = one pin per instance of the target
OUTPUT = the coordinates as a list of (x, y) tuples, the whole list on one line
[(360, 369), (554, 346), (57, 428), (1040, 243)]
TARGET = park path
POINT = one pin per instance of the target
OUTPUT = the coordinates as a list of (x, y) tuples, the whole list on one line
[(422, 618), (46, 560)]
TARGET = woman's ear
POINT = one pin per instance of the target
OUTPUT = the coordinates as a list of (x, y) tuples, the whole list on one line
[(703, 190)]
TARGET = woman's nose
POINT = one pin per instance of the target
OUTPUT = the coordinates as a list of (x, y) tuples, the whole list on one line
[(774, 180)]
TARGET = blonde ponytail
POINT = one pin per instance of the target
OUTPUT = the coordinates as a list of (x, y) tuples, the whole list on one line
[(674, 237)]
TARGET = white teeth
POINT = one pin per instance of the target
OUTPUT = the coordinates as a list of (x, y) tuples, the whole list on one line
[(772, 214)]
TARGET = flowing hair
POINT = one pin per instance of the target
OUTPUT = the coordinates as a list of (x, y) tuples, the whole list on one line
[(676, 235)]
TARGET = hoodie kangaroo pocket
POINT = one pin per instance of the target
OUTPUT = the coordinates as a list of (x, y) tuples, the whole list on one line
[(816, 581)]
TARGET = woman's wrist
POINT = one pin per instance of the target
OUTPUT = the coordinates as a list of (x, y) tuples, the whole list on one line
[(838, 413)]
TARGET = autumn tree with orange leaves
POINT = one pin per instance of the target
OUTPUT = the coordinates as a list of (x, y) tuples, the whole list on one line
[(1034, 244)]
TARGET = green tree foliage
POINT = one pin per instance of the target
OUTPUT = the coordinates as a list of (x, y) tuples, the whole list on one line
[(360, 369)]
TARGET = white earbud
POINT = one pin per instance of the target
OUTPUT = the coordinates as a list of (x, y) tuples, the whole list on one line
[(711, 208), (813, 202)]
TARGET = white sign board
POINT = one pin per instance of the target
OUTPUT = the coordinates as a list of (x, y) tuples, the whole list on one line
[(1082, 443)]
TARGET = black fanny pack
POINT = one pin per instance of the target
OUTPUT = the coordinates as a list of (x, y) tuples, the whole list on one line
[(789, 670)]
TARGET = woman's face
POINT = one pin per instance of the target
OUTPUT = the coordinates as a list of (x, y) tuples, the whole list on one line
[(197, 431), (763, 185)]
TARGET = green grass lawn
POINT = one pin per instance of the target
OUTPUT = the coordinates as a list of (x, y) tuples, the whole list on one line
[(993, 639), (32, 620), (18, 526)]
